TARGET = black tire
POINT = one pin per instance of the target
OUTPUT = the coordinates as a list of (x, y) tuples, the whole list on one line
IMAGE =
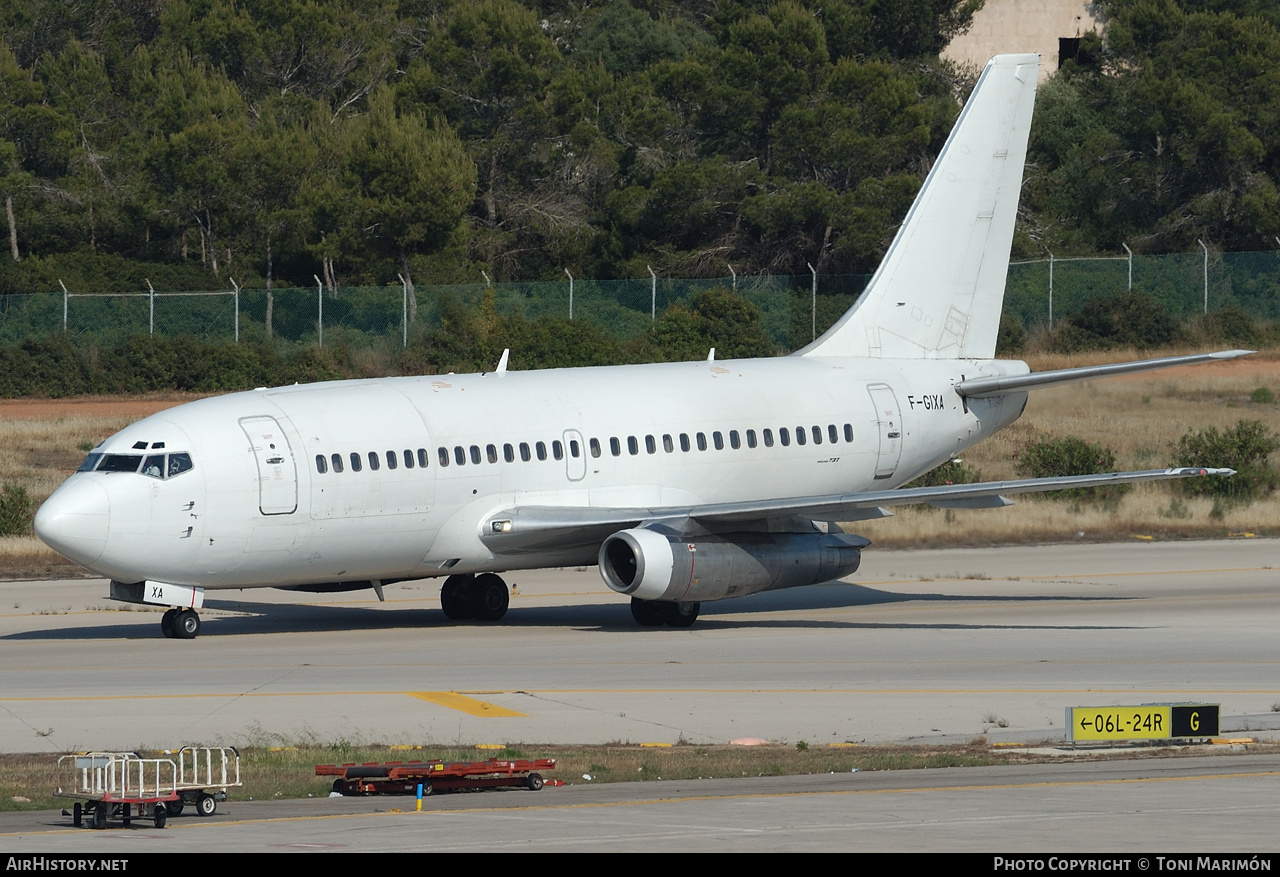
[(161, 816), (166, 623), (206, 805), (186, 624), (534, 782), (489, 597), (455, 597), (426, 789), (648, 613), (174, 807), (77, 814), (100, 815), (682, 614), (126, 815), (340, 786)]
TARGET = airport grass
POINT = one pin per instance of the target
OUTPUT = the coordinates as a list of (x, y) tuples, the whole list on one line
[(27, 782)]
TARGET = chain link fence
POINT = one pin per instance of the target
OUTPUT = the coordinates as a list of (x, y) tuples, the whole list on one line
[(793, 308)]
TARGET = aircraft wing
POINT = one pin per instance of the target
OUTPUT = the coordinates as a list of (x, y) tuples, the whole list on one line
[(535, 528)]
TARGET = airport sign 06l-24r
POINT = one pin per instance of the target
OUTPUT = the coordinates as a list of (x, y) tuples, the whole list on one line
[(1146, 722)]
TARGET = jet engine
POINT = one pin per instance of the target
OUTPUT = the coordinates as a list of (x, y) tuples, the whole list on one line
[(649, 564)]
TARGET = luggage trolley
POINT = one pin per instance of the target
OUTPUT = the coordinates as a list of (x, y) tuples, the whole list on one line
[(127, 785)]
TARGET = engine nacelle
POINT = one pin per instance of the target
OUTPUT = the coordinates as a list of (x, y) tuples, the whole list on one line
[(653, 565)]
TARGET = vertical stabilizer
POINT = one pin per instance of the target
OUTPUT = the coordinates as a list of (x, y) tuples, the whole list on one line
[(939, 290)]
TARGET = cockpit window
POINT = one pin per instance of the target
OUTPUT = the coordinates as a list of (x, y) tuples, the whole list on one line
[(90, 463), (179, 463), (153, 466), (119, 463)]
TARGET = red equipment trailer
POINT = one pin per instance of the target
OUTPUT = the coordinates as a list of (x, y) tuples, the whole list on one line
[(403, 778)]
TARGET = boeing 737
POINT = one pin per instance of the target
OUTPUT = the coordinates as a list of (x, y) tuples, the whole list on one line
[(685, 482)]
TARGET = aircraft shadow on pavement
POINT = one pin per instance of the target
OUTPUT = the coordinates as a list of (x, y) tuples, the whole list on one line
[(270, 618)]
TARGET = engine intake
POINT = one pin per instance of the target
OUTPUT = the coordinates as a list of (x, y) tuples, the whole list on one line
[(653, 565)]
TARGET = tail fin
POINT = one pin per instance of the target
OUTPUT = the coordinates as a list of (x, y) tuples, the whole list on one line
[(939, 290)]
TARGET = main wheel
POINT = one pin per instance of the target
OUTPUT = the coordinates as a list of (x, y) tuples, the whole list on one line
[(206, 805), (489, 597), (682, 614), (161, 816), (534, 782), (186, 624), (455, 597), (648, 613), (166, 623)]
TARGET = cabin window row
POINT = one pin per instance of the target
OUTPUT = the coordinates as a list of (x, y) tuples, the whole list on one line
[(460, 455), (408, 458)]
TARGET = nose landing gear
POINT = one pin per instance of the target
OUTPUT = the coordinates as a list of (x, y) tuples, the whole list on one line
[(180, 624)]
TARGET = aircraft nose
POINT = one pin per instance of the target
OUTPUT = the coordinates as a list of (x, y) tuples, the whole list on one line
[(74, 521)]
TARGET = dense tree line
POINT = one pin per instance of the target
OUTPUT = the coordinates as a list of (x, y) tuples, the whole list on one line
[(358, 140)]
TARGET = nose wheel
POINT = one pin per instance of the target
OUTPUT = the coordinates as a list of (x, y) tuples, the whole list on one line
[(180, 624)]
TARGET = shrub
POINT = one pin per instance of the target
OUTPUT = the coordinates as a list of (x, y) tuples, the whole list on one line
[(1126, 319), (15, 511), (1049, 457), (1262, 396), (1244, 447)]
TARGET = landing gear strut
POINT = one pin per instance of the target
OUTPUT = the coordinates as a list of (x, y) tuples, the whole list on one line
[(180, 624), (655, 613), (484, 597)]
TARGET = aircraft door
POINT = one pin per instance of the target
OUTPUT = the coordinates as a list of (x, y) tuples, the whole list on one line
[(277, 473), (889, 420), (575, 455)]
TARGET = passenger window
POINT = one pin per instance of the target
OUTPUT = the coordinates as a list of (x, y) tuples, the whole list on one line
[(702, 442), (557, 450), (321, 466), (817, 435), (751, 438), (650, 444), (833, 433), (475, 454), (460, 455), (443, 454), (408, 459), (784, 436), (391, 459), (614, 447), (373, 461), (336, 460), (524, 452), (768, 438), (508, 453), (541, 448), (684, 441), (491, 453), (422, 457), (848, 432), (153, 466), (667, 444), (718, 439), (179, 463), (734, 441), (595, 447), (574, 450), (356, 465), (633, 446), (800, 437)]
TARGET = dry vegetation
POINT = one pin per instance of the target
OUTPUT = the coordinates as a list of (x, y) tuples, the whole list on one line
[(1139, 418)]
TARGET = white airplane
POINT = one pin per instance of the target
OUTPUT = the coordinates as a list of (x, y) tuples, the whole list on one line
[(685, 482)]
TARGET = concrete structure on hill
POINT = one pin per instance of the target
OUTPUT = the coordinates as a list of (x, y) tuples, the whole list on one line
[(1025, 26)]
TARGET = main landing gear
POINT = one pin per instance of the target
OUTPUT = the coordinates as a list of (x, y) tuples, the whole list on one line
[(483, 597), (180, 624), (655, 613)]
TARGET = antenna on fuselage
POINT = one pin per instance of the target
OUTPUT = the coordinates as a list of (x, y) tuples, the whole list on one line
[(502, 363), (711, 356)]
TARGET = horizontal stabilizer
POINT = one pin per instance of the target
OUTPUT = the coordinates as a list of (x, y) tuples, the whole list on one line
[(995, 386)]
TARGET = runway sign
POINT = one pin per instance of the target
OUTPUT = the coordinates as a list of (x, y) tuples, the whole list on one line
[(1146, 722)]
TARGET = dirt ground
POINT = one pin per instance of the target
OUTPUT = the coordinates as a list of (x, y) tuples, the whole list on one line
[(90, 406)]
